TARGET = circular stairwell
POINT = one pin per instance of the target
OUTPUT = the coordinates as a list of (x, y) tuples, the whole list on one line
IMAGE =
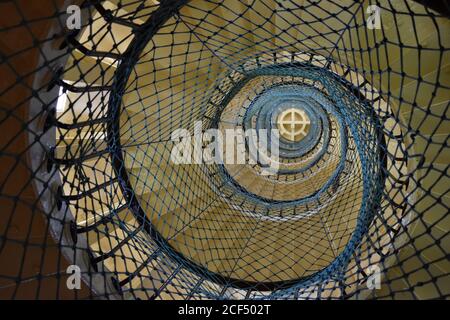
[(362, 183)]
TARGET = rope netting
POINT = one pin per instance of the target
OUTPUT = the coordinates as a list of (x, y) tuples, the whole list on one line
[(91, 115)]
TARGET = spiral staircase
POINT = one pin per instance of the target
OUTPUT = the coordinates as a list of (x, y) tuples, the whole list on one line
[(88, 116)]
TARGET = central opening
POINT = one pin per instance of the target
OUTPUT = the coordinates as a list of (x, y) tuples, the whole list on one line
[(293, 124)]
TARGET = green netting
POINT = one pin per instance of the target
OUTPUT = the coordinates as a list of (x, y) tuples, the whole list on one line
[(88, 117)]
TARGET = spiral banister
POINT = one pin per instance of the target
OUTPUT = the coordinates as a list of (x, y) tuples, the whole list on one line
[(89, 117)]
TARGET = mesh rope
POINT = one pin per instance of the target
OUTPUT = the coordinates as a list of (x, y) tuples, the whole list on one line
[(87, 119)]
